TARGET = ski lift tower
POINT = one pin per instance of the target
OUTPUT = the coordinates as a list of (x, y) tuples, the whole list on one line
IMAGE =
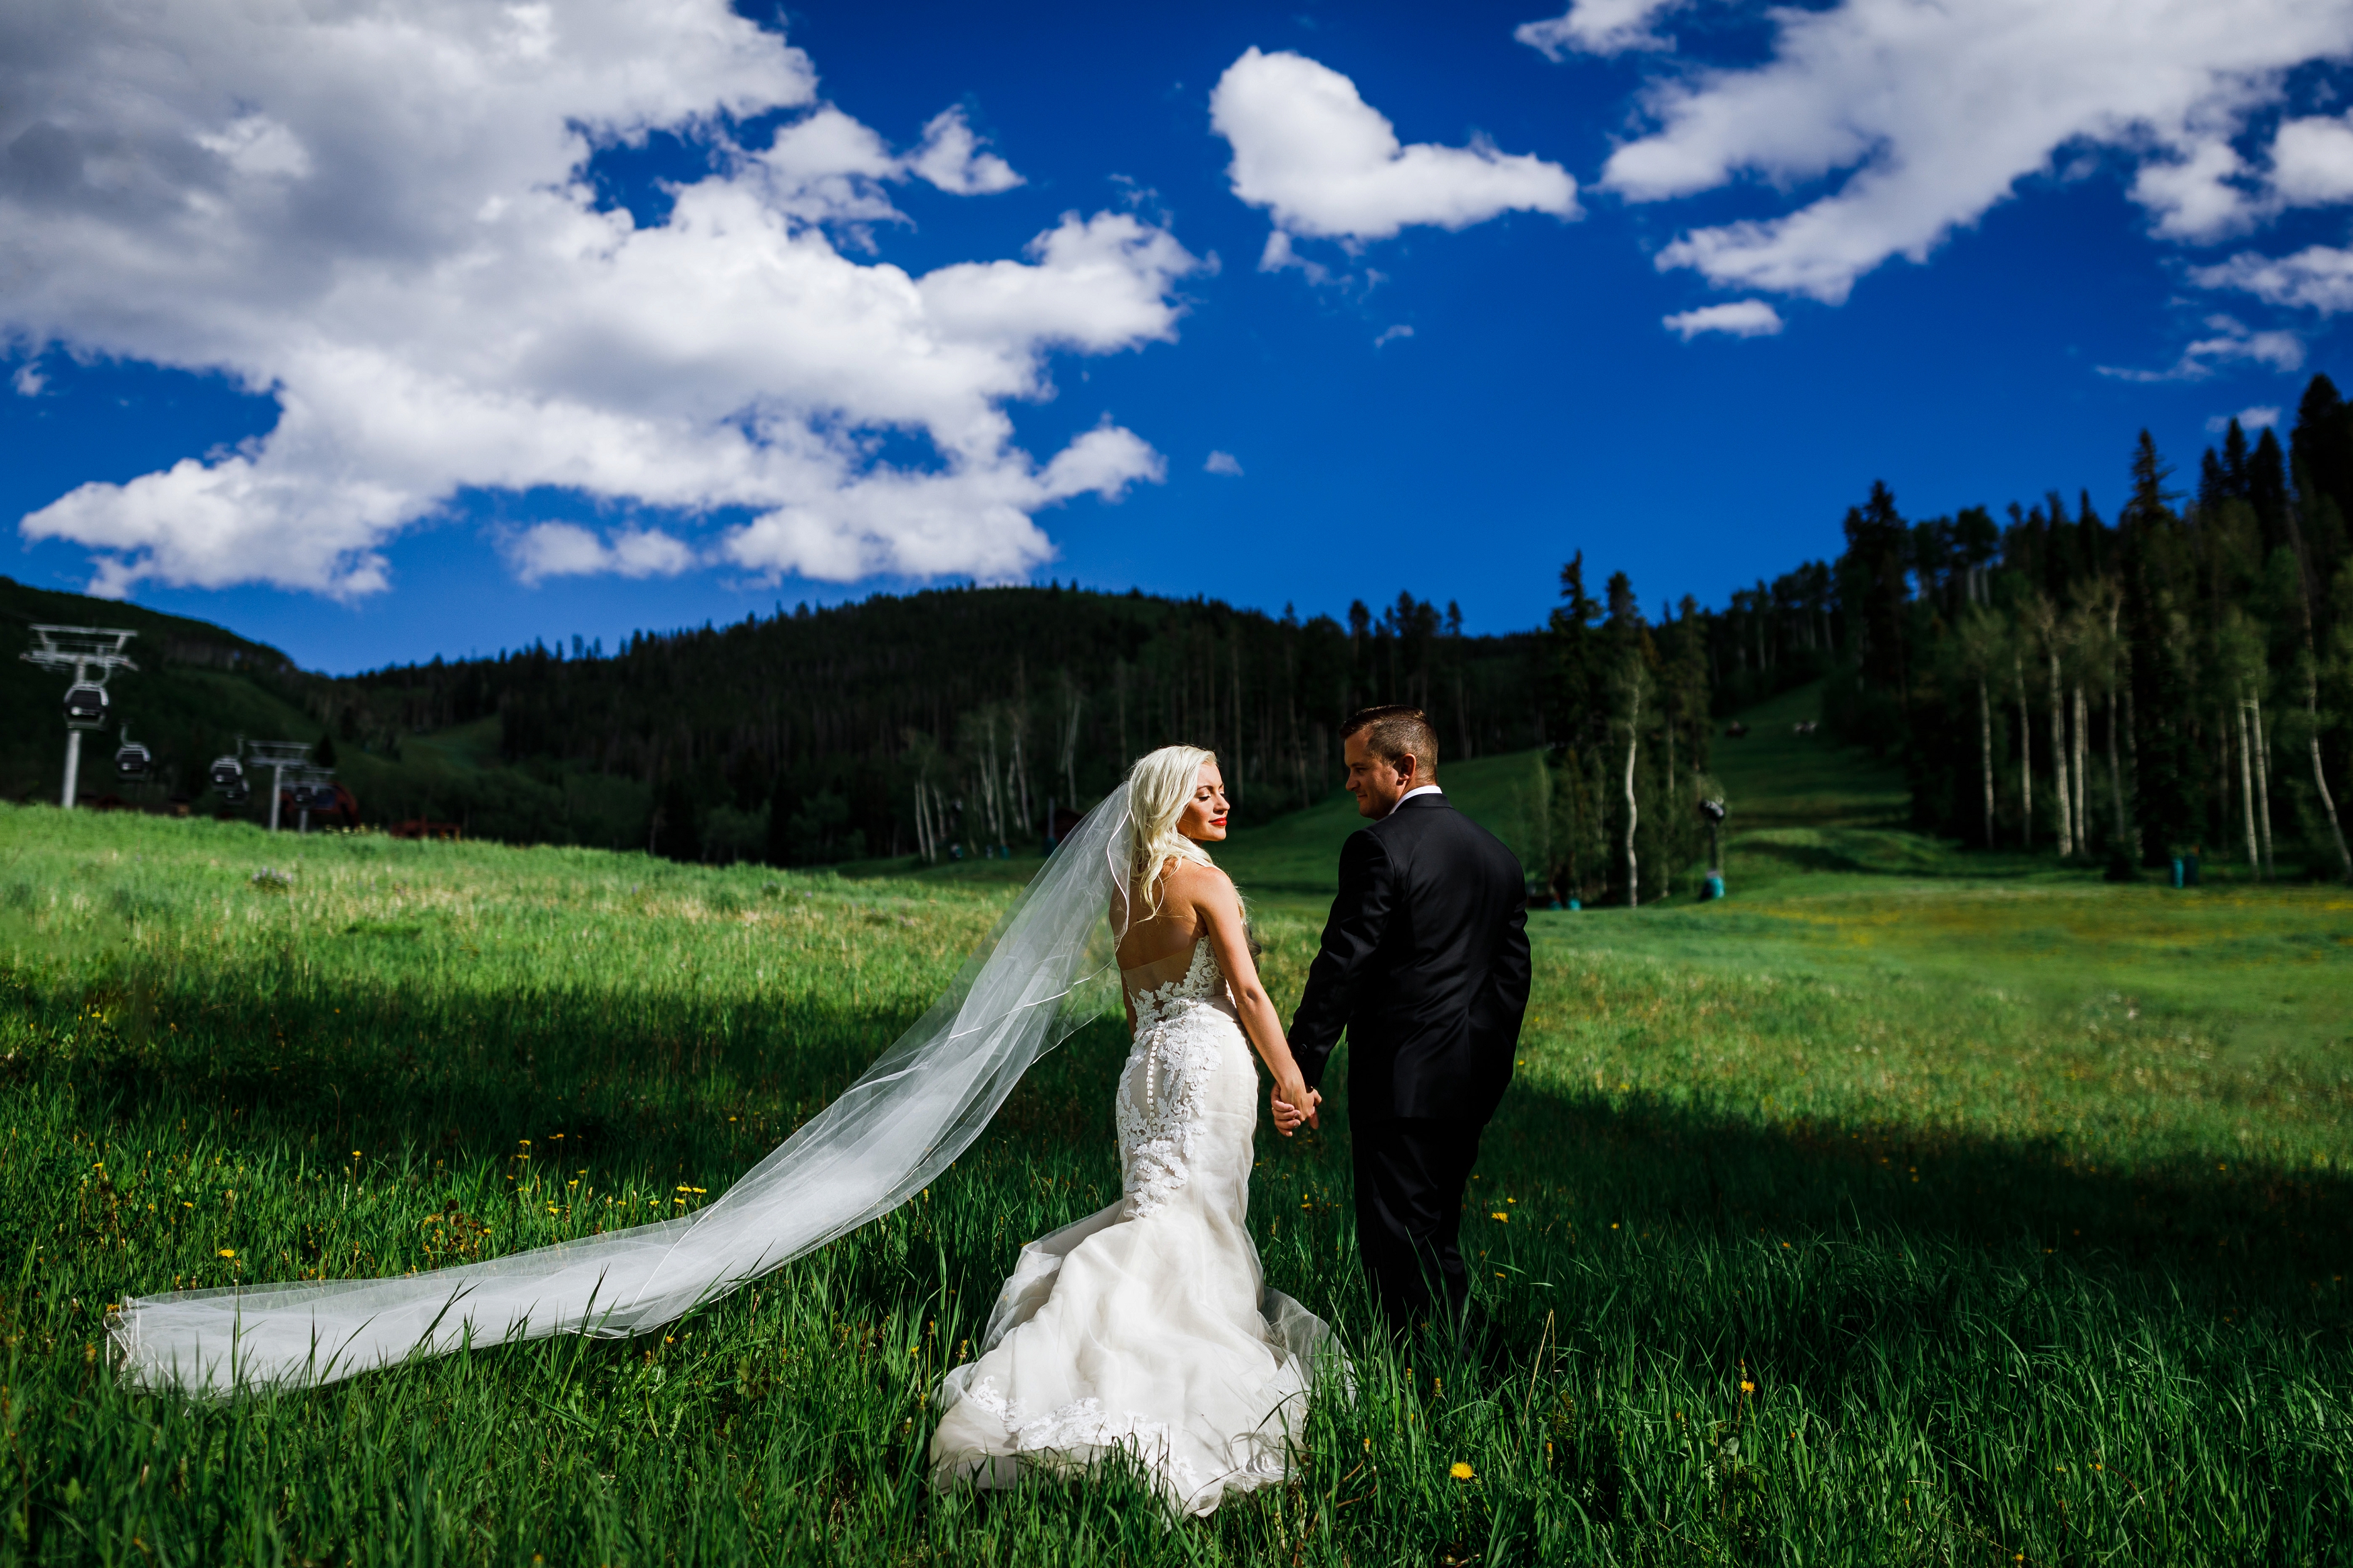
[(278, 756), (89, 654)]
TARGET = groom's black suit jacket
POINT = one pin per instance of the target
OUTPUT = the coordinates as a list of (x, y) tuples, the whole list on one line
[(1424, 963)]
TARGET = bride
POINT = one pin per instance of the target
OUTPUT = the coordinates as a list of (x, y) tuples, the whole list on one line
[(1146, 1327), (1143, 1328)]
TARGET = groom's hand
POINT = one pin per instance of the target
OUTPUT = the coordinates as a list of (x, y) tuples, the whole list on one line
[(1287, 1117)]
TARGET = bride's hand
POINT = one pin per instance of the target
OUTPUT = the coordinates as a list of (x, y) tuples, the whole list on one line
[(1293, 1103)]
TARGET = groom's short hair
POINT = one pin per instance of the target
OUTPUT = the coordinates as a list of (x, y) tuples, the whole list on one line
[(1394, 730)]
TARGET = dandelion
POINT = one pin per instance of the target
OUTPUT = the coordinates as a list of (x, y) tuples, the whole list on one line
[(1746, 1386), (1462, 1472), (228, 1252), (1501, 1216)]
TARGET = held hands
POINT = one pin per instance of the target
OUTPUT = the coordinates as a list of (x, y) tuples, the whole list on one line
[(1294, 1102)]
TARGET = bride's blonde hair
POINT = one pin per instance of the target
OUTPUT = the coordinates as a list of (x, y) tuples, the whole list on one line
[(1159, 787)]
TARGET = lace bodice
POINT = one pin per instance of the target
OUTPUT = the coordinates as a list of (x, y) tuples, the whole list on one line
[(1185, 1036), (1202, 981)]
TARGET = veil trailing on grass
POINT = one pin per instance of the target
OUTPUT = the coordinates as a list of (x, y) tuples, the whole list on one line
[(923, 1102)]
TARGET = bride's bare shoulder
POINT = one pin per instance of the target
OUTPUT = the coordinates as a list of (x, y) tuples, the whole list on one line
[(1193, 882)]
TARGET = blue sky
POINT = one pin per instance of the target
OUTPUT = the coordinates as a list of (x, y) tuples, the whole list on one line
[(341, 338)]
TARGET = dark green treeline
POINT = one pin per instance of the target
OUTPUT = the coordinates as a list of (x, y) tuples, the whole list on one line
[(2172, 683), (946, 722)]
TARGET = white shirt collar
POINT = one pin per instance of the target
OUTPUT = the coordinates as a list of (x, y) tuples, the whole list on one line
[(1417, 789)]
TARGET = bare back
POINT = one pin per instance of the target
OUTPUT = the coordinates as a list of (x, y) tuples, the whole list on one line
[(1165, 941)]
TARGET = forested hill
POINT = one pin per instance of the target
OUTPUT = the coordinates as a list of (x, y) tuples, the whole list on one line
[(952, 716)]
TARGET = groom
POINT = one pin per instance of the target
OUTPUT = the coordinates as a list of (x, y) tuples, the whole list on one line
[(1425, 964)]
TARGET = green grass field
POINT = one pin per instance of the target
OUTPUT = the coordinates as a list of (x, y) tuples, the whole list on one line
[(1907, 1208)]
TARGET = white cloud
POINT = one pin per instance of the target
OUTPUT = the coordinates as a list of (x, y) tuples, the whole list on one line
[(1329, 165), (256, 145), (2255, 418), (2195, 193), (826, 167), (381, 218), (28, 381), (1920, 116), (1392, 333), (951, 159), (2312, 161), (1279, 255), (2232, 344), (566, 550), (1739, 318), (2317, 278), (1224, 463), (1597, 27)]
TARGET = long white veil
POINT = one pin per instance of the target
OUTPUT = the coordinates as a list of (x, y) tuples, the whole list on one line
[(921, 1103)]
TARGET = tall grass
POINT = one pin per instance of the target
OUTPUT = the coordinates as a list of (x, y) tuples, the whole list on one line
[(1795, 1245)]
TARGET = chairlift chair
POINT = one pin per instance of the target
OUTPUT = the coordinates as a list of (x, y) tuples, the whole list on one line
[(132, 760), (228, 777), (86, 706)]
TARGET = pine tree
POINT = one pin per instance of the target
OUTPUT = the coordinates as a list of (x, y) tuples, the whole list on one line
[(2167, 792), (2236, 474), (1876, 537), (2267, 490), (2321, 444), (1570, 686)]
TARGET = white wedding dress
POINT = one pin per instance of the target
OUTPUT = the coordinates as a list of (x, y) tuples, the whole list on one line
[(1147, 1327)]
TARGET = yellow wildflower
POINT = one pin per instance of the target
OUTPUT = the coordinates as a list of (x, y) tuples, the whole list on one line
[(1462, 1472)]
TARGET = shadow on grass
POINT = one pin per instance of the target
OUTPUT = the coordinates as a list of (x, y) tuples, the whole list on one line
[(2230, 1225), (643, 1091)]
